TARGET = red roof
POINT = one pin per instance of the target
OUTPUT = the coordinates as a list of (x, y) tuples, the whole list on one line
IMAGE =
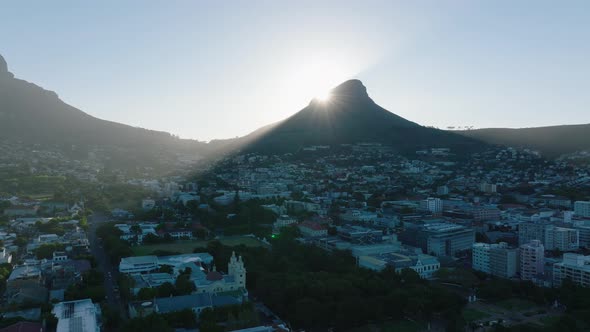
[(214, 276), (23, 327), (313, 225)]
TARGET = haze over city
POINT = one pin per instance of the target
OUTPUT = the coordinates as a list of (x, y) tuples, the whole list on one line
[(218, 70)]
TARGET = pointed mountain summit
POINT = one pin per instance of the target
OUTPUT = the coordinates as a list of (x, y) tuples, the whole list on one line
[(350, 116)]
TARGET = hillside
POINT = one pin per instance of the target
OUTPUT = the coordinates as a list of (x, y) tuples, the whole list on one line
[(350, 116), (30, 114), (550, 141)]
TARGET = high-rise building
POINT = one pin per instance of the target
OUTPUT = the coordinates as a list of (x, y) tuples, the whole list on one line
[(480, 257), (503, 262), (532, 260), (561, 238), (432, 204), (574, 267), (529, 231), (582, 209), (448, 239), (496, 259)]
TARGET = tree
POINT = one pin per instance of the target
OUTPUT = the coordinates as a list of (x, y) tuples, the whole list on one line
[(184, 284)]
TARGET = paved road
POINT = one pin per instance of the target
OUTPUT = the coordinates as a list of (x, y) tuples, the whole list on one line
[(104, 264)]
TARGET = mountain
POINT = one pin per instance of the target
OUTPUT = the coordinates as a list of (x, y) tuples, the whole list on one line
[(30, 114), (551, 141), (350, 116)]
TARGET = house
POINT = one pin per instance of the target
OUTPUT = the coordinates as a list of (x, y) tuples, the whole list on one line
[(312, 229), (77, 316)]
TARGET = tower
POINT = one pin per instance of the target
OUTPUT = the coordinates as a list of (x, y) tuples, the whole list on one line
[(236, 268)]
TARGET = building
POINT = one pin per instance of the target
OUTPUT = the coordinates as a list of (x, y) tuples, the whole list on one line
[(434, 205), (312, 229), (139, 264), (136, 232), (480, 258), (530, 231), (582, 209), (532, 260), (202, 272), (496, 259), (359, 235), (284, 221), (561, 238), (487, 188), (195, 302), (504, 261), (145, 264), (551, 236), (424, 265), (60, 256), (5, 257), (77, 316), (574, 267), (448, 239), (584, 236)]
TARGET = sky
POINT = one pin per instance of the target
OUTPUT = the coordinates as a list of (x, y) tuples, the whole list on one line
[(221, 69)]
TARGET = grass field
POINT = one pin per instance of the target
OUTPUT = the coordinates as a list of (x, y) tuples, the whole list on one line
[(187, 246), (401, 326), (516, 304), (471, 315)]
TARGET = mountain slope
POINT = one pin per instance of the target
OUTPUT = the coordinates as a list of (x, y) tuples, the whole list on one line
[(30, 114), (552, 141), (350, 116)]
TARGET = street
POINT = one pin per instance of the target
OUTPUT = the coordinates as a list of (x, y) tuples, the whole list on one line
[(104, 264)]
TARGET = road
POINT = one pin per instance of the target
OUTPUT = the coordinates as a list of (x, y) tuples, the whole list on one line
[(104, 265)]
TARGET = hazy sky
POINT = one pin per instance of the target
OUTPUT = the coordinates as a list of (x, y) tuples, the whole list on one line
[(218, 69)]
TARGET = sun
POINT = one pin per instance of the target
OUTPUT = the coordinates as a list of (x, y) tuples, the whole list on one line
[(324, 96)]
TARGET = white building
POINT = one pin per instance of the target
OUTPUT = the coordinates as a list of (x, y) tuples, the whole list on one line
[(561, 238), (582, 209), (5, 257), (532, 260), (60, 256), (496, 259), (480, 259), (139, 264), (432, 204), (144, 264), (424, 265), (130, 234), (312, 229), (574, 267), (77, 316), (487, 188), (284, 221)]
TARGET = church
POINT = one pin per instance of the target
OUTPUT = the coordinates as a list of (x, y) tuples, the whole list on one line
[(215, 282)]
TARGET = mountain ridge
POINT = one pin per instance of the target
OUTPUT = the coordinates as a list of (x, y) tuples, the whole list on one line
[(551, 141)]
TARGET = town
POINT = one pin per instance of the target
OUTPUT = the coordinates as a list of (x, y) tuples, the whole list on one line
[(210, 250)]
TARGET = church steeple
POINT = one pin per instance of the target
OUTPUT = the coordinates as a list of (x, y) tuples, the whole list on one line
[(236, 268)]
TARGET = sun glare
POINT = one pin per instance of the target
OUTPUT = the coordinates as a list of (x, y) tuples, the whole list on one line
[(313, 78), (324, 96)]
